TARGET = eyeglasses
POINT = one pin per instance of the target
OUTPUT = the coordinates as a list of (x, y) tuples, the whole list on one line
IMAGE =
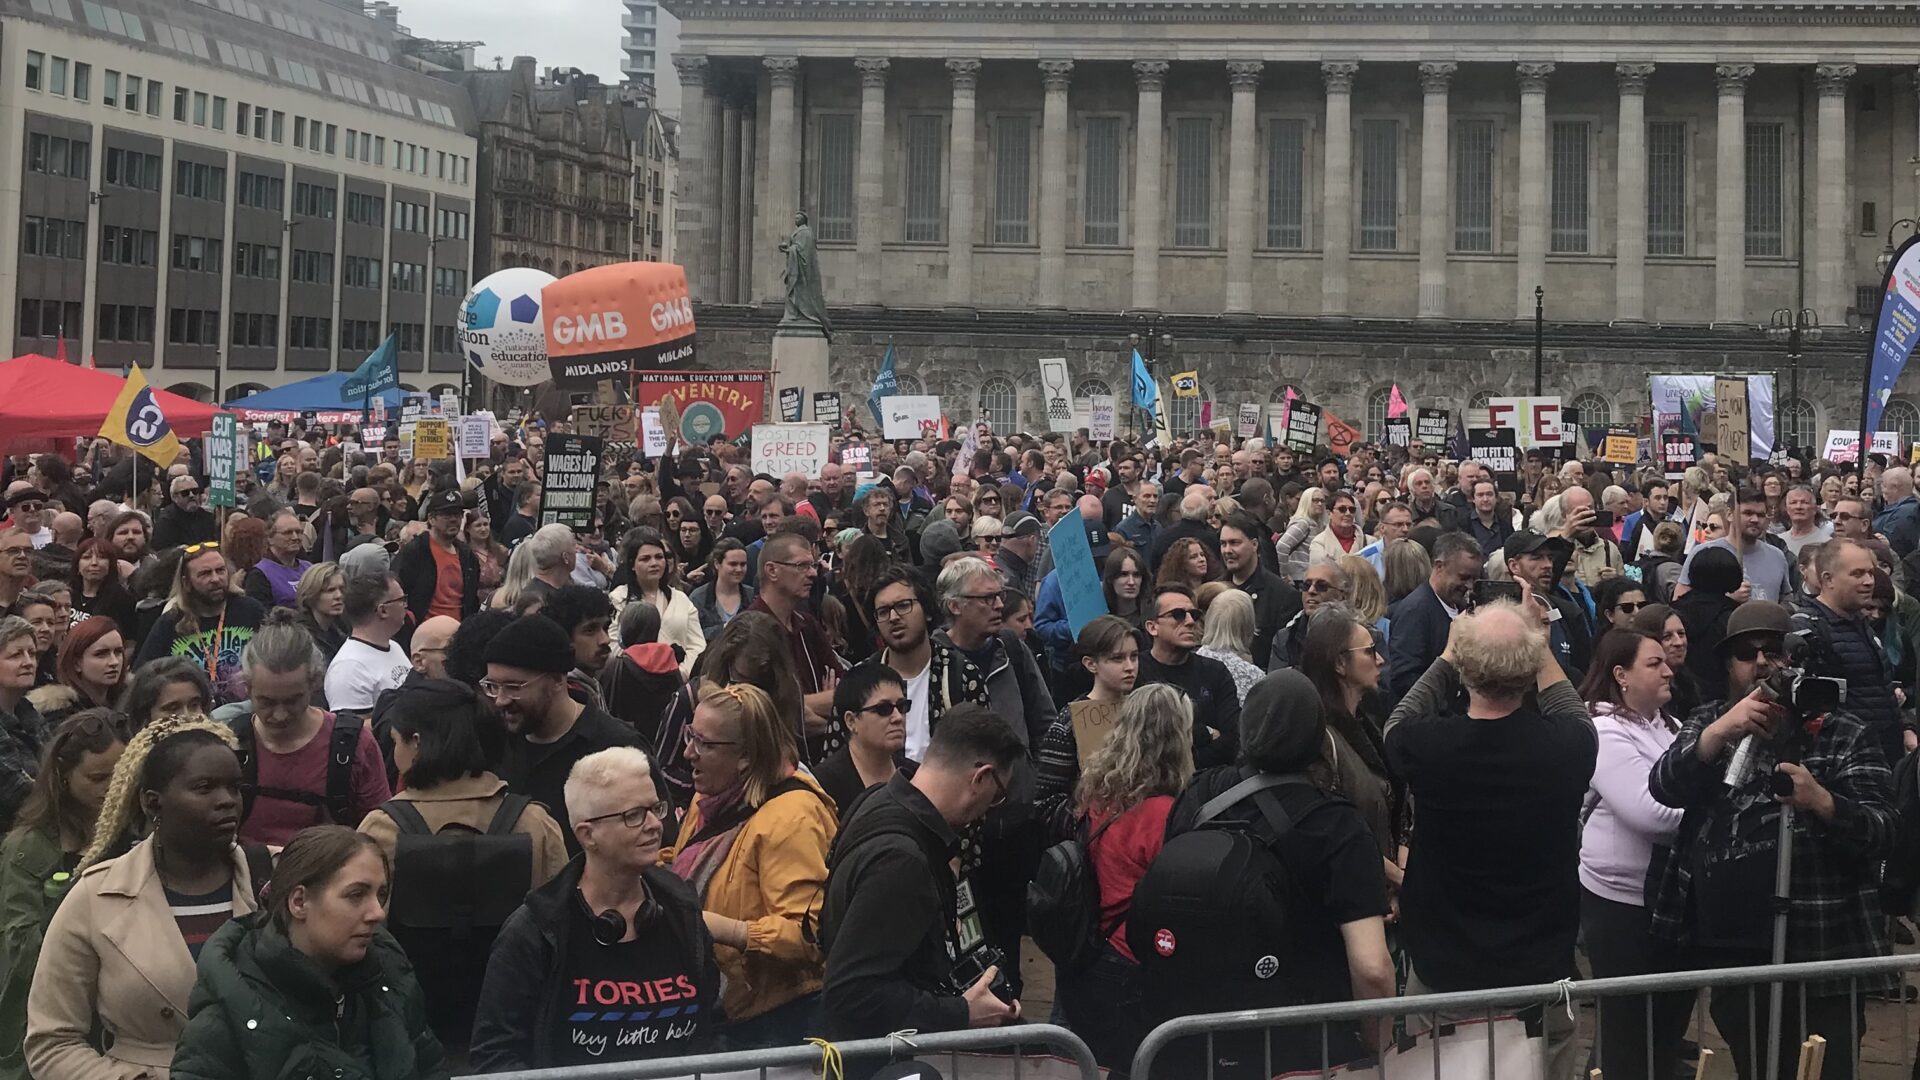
[(1630, 606), (1748, 651), (29, 507), (1181, 614), (884, 709), (1314, 585), (498, 689), (795, 564), (189, 492), (999, 784), (1849, 517), (895, 610), (1369, 648), (992, 599), (17, 550), (632, 817), (1346, 509), (195, 549), (989, 539), (700, 744)]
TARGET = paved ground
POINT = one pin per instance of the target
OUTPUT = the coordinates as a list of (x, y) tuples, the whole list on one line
[(1884, 1053)]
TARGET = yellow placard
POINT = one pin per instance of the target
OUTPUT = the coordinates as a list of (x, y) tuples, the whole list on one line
[(432, 439)]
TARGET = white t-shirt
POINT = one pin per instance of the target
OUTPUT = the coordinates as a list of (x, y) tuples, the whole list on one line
[(359, 673), (919, 732)]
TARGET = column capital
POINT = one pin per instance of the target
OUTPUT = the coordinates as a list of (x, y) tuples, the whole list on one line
[(1732, 78), (873, 70), (1633, 77), (785, 69), (1056, 74), (692, 68), (965, 73), (1832, 79), (1437, 76), (1533, 77), (1338, 75), (1244, 74), (1150, 74)]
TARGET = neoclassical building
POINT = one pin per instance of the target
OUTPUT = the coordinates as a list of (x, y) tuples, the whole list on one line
[(1334, 194)]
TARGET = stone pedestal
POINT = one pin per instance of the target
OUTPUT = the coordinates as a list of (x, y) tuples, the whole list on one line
[(799, 360)]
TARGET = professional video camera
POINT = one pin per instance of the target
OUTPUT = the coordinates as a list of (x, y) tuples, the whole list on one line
[(1803, 694)]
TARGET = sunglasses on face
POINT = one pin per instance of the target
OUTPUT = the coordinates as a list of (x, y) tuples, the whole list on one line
[(884, 709), (1748, 651), (1182, 614), (1630, 606), (1315, 586)]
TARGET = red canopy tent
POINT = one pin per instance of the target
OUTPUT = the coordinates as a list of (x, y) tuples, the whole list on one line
[(42, 398)]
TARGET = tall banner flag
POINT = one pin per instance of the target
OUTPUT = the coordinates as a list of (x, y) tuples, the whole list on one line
[(1396, 405), (136, 422), (1899, 326), (885, 384), (378, 373)]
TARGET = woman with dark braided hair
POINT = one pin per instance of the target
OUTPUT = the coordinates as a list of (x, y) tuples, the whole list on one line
[(119, 954)]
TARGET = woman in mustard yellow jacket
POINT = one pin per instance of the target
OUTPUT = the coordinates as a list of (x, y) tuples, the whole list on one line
[(754, 847)]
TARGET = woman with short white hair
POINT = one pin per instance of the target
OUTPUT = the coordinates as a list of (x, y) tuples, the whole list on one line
[(1227, 636)]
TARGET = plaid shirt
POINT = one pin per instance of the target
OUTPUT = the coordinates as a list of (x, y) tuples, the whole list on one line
[(1834, 908)]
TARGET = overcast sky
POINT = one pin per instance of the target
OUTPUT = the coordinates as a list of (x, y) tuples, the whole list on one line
[(556, 33)]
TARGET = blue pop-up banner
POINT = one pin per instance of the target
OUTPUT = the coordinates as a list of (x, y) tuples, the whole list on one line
[(1894, 338)]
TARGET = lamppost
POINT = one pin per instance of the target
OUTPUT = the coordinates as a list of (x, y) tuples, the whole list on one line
[(1539, 339), (1793, 328), (1889, 255), (1147, 339)]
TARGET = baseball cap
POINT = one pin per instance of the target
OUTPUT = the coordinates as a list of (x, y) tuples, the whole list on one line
[(1756, 617), (446, 501), (1021, 523), (1526, 541)]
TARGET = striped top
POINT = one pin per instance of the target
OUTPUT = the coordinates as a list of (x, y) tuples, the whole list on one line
[(199, 916)]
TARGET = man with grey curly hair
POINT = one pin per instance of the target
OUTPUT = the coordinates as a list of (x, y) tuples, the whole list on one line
[(1491, 895)]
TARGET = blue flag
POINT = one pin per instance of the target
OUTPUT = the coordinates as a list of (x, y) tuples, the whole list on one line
[(1146, 392), (1457, 446), (1896, 333), (885, 384), (379, 372)]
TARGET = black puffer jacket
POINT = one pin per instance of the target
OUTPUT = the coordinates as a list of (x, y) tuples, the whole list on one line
[(1845, 648)]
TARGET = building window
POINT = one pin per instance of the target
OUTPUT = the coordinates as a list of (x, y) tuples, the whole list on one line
[(1589, 410), (1100, 206), (36, 70), (1667, 187), (252, 331), (1000, 403), (259, 191), (1766, 186), (925, 174), (1183, 413), (839, 136), (199, 109), (49, 318), (365, 209), (197, 253), (1473, 185), (316, 268), (359, 335), (1012, 179), (1568, 214), (124, 246), (314, 200), (220, 114), (57, 75), (1193, 181), (180, 98), (1087, 389), (110, 88), (300, 132), (193, 326), (256, 261), (1379, 185), (196, 180), (408, 277), (125, 322), (153, 97), (1903, 419), (1377, 403), (1286, 184), (82, 82), (446, 341), (449, 281), (309, 332), (408, 337), (359, 272), (54, 238), (279, 126), (56, 156), (1798, 424), (132, 169)]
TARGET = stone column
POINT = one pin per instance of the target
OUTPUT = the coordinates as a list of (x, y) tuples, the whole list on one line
[(694, 188), (745, 198), (1630, 228), (1149, 131), (870, 183), (1336, 203), (783, 156), (727, 285), (1055, 74), (1730, 194), (1531, 267), (1830, 213), (1435, 211), (1243, 148), (966, 73)]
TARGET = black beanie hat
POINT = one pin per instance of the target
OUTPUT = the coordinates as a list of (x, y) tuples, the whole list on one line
[(533, 643)]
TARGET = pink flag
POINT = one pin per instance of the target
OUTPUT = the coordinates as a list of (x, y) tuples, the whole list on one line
[(1396, 405)]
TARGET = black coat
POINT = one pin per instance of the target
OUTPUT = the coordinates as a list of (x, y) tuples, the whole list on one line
[(1275, 603), (173, 526), (419, 575), (1419, 625)]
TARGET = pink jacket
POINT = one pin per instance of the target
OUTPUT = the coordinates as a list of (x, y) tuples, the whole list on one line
[(1617, 843)]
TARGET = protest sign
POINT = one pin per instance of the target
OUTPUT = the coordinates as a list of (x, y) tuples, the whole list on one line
[(1843, 445), (223, 457), (697, 405), (450, 403), (1621, 446), (826, 408), (432, 441), (856, 456), (1678, 453), (1730, 410), (1342, 437), (1430, 426), (790, 404), (1399, 431), (653, 434), (910, 416), (1079, 578), (1055, 394), (779, 449), (566, 482), (1499, 450), (373, 435), (1534, 420), (1303, 427), (1101, 412), (1249, 425), (476, 435)]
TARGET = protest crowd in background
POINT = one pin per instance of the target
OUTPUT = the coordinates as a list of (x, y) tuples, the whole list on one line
[(386, 772)]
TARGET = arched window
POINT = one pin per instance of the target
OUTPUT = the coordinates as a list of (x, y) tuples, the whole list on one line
[(1901, 417), (1797, 423), (1377, 414), (1000, 403), (909, 383), (1091, 387), (1590, 410), (1279, 395), (1480, 400), (1183, 413), (566, 268)]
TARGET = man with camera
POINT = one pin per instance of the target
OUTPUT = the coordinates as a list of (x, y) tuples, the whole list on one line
[(1845, 646), (1778, 741), (893, 908)]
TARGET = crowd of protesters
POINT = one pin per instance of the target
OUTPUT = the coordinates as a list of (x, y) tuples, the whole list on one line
[(376, 774)]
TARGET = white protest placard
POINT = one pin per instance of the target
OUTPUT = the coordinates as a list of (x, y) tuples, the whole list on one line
[(450, 403), (1055, 394), (1100, 417), (1534, 420), (1249, 419), (653, 437), (476, 433), (779, 449), (1843, 445), (373, 434), (856, 457), (909, 416)]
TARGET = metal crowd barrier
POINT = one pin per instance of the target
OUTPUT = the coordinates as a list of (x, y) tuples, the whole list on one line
[(1488, 1004), (907, 1045)]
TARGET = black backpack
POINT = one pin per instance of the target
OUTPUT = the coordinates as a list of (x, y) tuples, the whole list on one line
[(452, 891), (1063, 901), (1211, 912), (342, 745)]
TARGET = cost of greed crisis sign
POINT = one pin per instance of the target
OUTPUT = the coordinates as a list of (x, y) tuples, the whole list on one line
[(779, 449)]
